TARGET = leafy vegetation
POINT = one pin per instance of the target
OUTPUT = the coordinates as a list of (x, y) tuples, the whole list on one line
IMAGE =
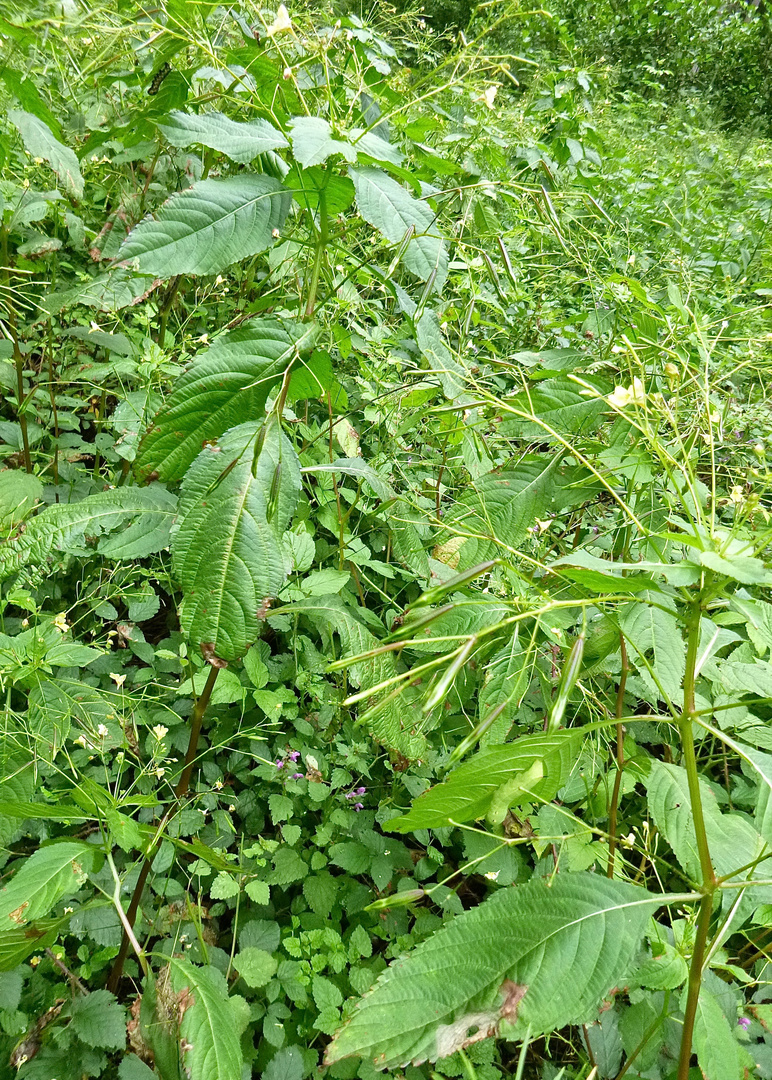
[(384, 545)]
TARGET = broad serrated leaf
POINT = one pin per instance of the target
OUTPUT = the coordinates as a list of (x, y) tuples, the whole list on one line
[(39, 142), (49, 874), (507, 677), (240, 141), (558, 405), (313, 141), (210, 1027), (55, 704), (530, 944), (119, 289), (226, 546), (320, 891), (732, 840), (468, 792), (385, 205), (395, 724), (145, 513), (207, 228), (229, 381), (287, 1064), (19, 492), (19, 943), (450, 374), (714, 1043), (99, 1020), (255, 966), (497, 510), (655, 635)]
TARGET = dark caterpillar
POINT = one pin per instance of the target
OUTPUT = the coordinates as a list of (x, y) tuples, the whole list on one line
[(159, 77)]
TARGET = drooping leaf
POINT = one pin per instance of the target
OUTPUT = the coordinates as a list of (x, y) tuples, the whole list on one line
[(20, 942), (530, 945), (241, 141), (39, 142), (385, 205), (507, 678), (146, 515), (228, 382), (450, 374), (227, 542), (715, 1045), (467, 794), (208, 227), (210, 1027), (313, 141), (45, 876), (395, 725)]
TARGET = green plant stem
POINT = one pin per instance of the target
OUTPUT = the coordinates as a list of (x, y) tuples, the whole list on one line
[(620, 761), (685, 724), (166, 308), (321, 246), (180, 791), (18, 358)]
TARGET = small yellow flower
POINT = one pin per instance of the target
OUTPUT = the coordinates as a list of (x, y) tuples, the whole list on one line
[(635, 394), (159, 731), (119, 680), (737, 495), (60, 622), (160, 773)]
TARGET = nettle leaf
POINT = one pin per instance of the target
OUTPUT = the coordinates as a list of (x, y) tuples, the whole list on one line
[(395, 725), (146, 515), (530, 945), (562, 405), (655, 634), (211, 1024), (49, 874), (501, 506), (716, 1047), (470, 789), (732, 840), (208, 227), (385, 205), (240, 141), (229, 381), (99, 1020), (39, 142), (227, 544), (313, 141)]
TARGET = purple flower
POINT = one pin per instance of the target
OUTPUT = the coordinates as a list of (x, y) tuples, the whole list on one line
[(358, 806), (297, 776), (360, 791), (279, 764), (349, 795), (293, 755), (744, 1022)]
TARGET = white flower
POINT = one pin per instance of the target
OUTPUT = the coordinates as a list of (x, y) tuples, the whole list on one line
[(102, 731), (281, 22), (119, 680), (737, 496), (159, 731), (160, 773), (623, 396)]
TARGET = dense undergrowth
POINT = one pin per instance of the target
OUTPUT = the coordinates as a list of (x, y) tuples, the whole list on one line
[(384, 544)]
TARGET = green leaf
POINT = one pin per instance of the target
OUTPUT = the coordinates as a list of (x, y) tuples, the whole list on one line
[(499, 507), (655, 635), (530, 945), (230, 380), (287, 1064), (385, 205), (145, 513), (313, 143), (732, 840), (224, 887), (44, 878), (240, 141), (39, 142), (321, 891), (470, 789), (746, 569), (451, 375), (133, 1068), (17, 944), (227, 554), (99, 1020), (19, 491), (560, 404), (255, 966), (258, 891), (714, 1043), (210, 1026), (395, 723), (208, 227), (507, 677)]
